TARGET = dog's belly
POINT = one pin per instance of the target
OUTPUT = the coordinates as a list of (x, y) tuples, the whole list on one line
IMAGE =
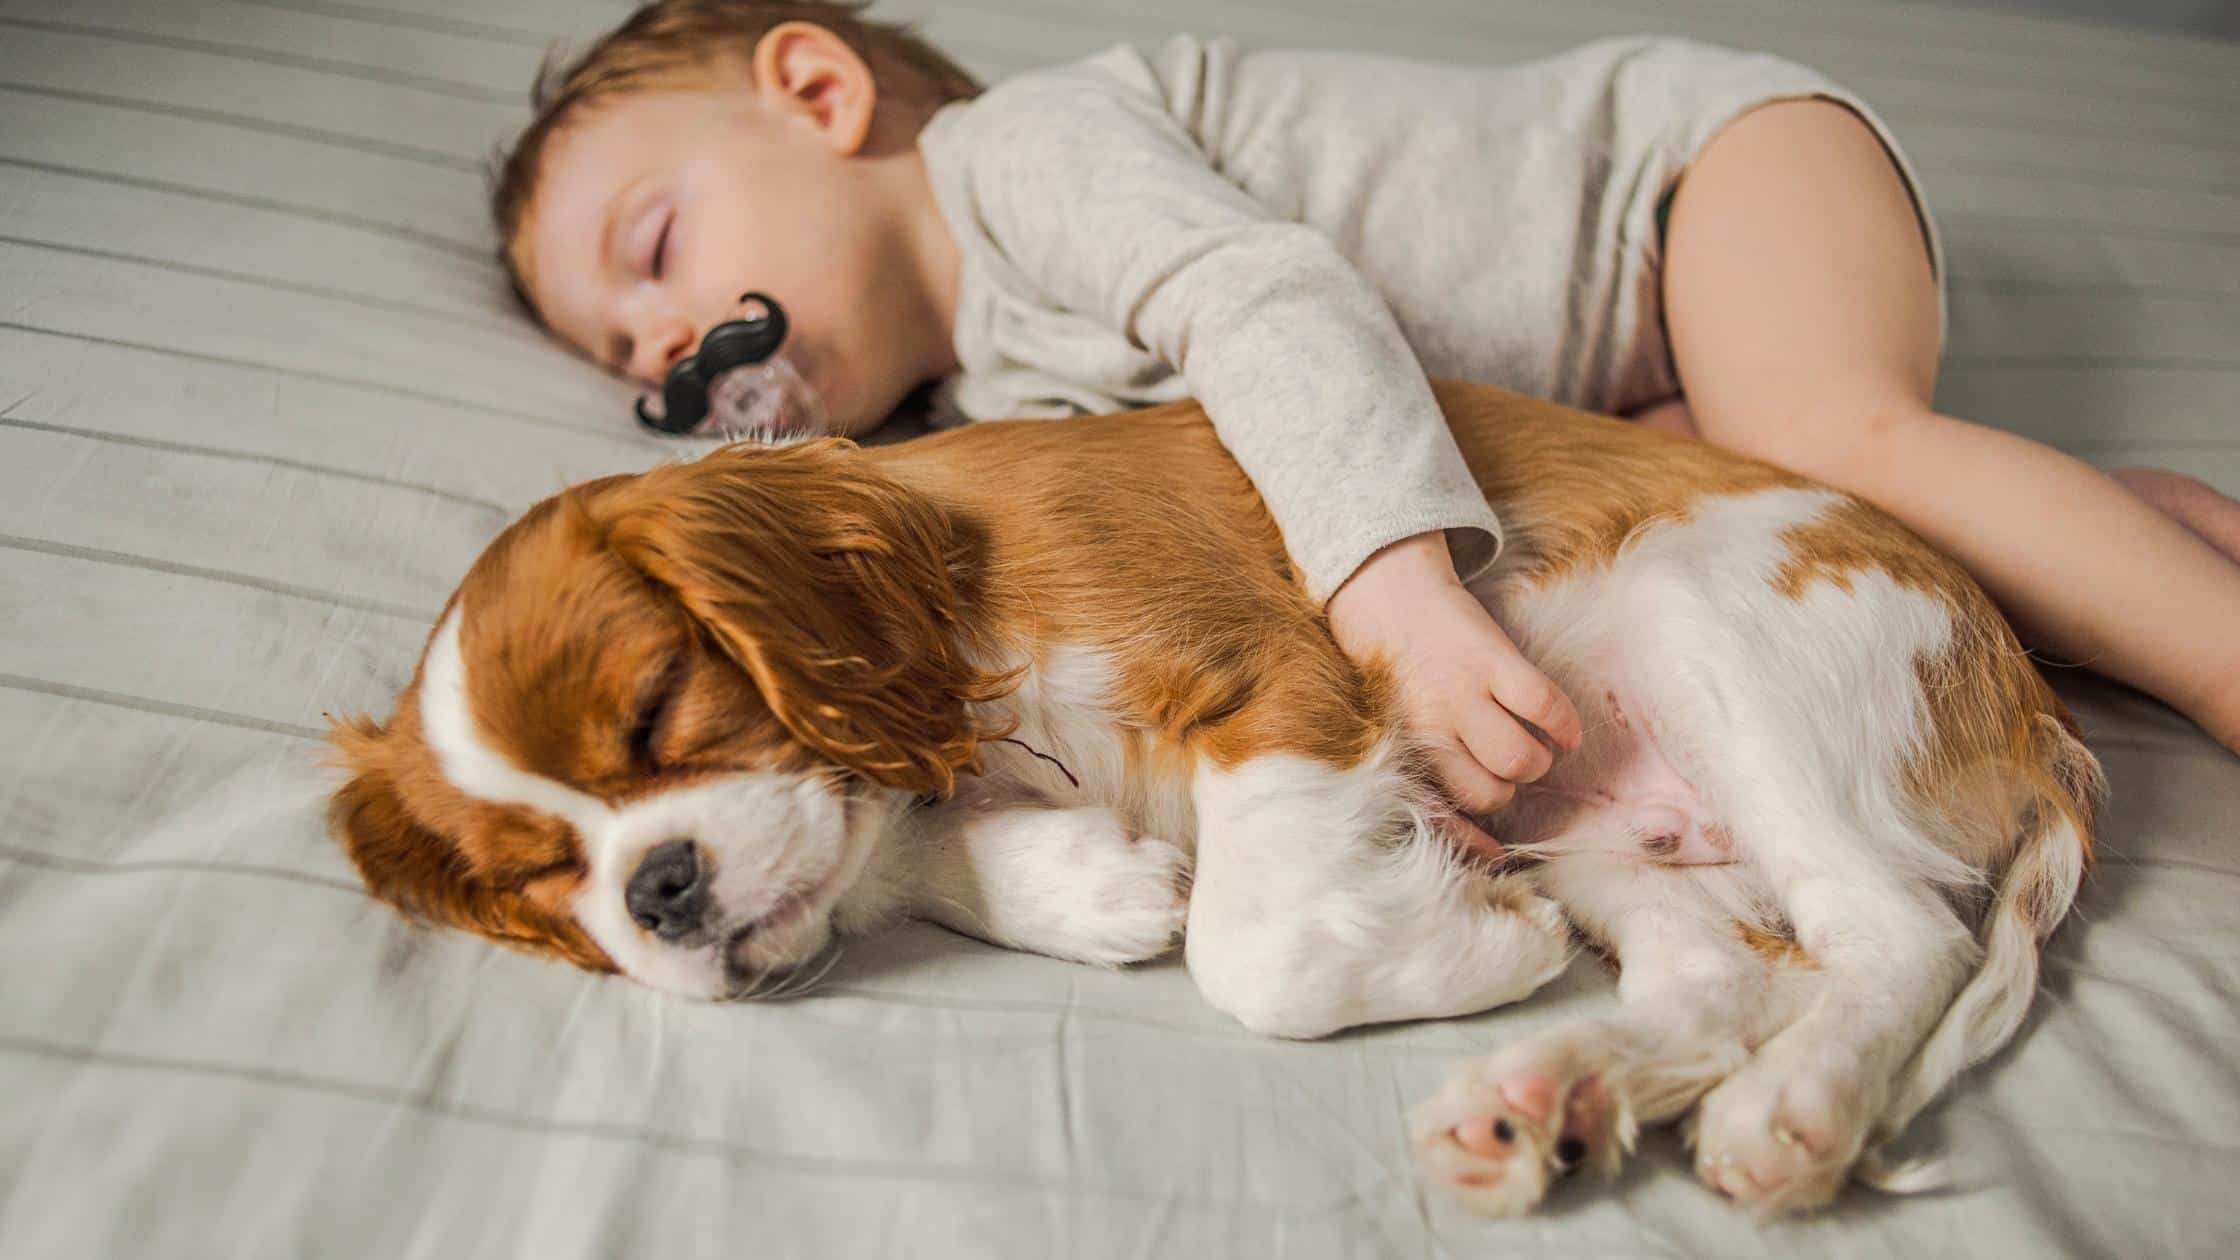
[(1617, 793), (1681, 657)]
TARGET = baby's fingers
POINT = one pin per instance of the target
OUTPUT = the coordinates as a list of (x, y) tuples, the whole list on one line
[(1469, 784), (1499, 743), (1468, 836), (1526, 692)]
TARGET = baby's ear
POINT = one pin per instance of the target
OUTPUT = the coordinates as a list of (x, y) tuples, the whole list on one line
[(834, 587), (803, 70)]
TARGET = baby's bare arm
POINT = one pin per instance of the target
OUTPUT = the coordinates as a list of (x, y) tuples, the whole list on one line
[(2086, 570), (1803, 320)]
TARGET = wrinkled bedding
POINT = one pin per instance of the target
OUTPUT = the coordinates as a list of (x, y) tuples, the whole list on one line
[(262, 399)]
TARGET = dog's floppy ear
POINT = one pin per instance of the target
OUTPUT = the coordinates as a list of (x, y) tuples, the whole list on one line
[(834, 587), (420, 872)]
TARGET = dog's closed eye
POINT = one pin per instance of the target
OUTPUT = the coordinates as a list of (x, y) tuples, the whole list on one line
[(644, 739)]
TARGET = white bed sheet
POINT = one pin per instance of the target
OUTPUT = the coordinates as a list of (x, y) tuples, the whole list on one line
[(262, 400)]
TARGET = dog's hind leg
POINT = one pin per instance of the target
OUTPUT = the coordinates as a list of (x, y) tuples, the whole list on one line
[(1782, 1134), (1694, 997)]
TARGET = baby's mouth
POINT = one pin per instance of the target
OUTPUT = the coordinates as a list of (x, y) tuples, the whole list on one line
[(767, 402), (738, 384)]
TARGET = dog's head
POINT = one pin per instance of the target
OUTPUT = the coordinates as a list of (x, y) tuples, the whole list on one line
[(649, 733)]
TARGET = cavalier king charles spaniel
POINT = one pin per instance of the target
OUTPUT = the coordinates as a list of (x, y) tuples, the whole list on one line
[(1057, 686)]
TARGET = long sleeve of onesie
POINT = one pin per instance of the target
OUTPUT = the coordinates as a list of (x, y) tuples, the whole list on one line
[(1097, 202)]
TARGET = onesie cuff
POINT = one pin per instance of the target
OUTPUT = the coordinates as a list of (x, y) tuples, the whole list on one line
[(1474, 539)]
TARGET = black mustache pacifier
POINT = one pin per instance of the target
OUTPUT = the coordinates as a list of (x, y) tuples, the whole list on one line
[(734, 343)]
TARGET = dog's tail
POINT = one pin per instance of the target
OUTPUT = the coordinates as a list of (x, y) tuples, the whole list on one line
[(2064, 788)]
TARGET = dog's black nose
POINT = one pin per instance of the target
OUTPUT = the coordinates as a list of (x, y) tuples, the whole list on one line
[(667, 895)]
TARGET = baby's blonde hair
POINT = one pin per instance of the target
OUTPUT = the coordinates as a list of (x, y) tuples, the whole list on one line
[(674, 43)]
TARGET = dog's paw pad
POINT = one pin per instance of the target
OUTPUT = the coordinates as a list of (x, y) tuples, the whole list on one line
[(1504, 1129), (1778, 1146)]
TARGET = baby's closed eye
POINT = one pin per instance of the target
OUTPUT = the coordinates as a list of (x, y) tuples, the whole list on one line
[(661, 247)]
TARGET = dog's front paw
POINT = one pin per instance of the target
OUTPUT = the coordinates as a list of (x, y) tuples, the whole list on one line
[(1094, 891)]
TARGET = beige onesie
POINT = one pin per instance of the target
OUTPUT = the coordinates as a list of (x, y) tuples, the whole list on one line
[(1298, 238)]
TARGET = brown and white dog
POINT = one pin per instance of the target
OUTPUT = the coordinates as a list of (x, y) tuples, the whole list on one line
[(1056, 686)]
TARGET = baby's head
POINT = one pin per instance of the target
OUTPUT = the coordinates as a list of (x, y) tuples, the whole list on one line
[(710, 147)]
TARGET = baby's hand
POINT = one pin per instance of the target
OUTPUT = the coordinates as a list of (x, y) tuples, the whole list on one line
[(1463, 684)]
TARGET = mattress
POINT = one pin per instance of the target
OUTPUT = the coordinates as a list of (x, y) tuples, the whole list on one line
[(262, 399)]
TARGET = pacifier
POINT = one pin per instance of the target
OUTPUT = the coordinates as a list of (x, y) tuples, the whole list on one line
[(736, 384)]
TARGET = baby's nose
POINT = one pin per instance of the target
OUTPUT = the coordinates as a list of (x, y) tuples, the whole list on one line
[(659, 351)]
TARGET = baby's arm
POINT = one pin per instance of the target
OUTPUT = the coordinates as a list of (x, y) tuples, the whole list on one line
[(1463, 684), (1107, 204)]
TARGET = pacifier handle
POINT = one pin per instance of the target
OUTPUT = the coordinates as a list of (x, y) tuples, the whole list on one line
[(733, 343)]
